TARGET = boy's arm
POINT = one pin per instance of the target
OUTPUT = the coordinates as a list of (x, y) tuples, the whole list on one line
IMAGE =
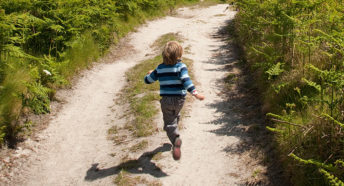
[(151, 77), (188, 85), (186, 80)]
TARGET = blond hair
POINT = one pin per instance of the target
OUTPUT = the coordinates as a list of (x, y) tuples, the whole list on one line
[(172, 52)]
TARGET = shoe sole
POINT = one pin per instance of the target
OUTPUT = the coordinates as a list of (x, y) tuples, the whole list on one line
[(176, 149)]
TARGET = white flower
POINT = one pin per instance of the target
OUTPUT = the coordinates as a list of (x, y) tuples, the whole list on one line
[(47, 72)]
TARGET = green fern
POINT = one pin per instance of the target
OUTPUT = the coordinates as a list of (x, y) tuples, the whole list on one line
[(333, 180), (308, 37), (37, 98), (275, 70)]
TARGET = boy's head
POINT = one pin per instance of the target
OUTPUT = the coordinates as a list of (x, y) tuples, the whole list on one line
[(172, 52)]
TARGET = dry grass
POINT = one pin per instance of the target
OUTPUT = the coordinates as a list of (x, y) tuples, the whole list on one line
[(140, 146), (113, 130), (118, 139), (124, 179), (162, 40)]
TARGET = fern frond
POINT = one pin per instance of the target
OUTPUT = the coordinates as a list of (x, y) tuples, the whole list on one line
[(331, 178), (333, 120)]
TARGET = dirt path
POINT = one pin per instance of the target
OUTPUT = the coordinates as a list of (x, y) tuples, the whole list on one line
[(74, 149)]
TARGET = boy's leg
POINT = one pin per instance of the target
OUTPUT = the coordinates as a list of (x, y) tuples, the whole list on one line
[(170, 107)]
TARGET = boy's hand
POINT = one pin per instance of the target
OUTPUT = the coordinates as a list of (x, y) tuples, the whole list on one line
[(150, 72), (199, 97)]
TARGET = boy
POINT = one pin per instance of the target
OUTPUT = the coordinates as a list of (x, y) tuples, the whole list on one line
[(174, 83)]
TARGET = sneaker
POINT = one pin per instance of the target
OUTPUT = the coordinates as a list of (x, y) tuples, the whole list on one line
[(176, 149)]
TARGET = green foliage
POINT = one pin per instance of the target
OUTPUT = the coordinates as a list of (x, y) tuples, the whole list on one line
[(60, 37), (297, 50), (37, 98), (323, 169), (331, 178), (333, 120), (312, 162), (274, 71), (11, 91)]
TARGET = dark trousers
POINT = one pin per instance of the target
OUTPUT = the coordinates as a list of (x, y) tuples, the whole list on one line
[(170, 107)]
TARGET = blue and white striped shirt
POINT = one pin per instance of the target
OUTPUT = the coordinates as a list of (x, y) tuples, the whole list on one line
[(174, 79)]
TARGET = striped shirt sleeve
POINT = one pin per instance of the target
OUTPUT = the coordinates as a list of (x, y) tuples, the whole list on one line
[(151, 78), (186, 80)]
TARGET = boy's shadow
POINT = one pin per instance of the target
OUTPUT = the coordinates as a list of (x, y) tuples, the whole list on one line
[(142, 165)]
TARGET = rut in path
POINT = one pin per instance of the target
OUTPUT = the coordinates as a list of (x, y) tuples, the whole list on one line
[(74, 149)]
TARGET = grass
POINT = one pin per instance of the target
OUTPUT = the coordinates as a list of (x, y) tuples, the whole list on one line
[(141, 98), (140, 146), (80, 56), (124, 179), (117, 138), (162, 40), (11, 103), (113, 130), (115, 134)]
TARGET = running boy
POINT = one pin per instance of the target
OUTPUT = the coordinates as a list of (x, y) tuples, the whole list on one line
[(174, 83)]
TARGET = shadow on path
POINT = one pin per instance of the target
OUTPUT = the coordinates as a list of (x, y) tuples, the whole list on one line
[(142, 165), (240, 112)]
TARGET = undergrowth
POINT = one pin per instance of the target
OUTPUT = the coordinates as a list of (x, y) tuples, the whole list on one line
[(296, 49)]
